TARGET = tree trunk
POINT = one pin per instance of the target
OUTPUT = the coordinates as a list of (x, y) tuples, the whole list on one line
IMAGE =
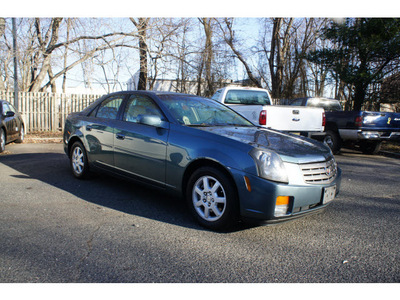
[(359, 96), (141, 26), (2, 30), (208, 56)]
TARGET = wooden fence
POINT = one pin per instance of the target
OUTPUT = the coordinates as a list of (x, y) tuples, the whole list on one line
[(47, 111)]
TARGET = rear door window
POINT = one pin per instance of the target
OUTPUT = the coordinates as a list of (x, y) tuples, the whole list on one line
[(109, 108)]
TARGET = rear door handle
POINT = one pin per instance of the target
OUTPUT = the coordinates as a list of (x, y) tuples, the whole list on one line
[(120, 136)]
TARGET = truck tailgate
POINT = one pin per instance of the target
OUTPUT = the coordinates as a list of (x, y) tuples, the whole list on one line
[(294, 118), (381, 120), (285, 118)]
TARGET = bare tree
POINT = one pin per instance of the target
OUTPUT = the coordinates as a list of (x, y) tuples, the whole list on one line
[(226, 27)]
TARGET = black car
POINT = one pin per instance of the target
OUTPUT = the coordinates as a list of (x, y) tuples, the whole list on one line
[(11, 125)]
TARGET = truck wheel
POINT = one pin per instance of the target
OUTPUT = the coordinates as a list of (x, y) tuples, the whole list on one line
[(332, 139), (369, 147)]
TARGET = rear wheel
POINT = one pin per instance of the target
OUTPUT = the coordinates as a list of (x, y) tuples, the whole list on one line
[(369, 147), (212, 199), (78, 160), (2, 140), (332, 139)]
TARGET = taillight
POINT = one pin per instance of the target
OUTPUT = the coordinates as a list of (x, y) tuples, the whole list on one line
[(323, 119), (263, 117), (358, 121)]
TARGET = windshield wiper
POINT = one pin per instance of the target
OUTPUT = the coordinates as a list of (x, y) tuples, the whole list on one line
[(198, 125)]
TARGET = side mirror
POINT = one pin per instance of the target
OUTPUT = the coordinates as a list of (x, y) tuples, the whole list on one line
[(10, 114), (151, 120)]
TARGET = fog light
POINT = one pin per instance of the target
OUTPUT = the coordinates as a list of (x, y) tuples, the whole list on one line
[(282, 206)]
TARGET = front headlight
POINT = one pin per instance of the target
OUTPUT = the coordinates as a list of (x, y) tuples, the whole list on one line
[(269, 165)]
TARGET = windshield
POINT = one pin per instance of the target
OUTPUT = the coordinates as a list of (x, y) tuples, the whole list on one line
[(249, 97), (197, 111)]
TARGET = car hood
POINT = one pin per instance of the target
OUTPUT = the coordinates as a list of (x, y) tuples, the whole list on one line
[(290, 147)]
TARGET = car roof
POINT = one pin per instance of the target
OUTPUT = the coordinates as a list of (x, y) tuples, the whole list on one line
[(157, 93)]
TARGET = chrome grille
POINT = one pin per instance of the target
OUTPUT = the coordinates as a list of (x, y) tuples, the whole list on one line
[(319, 173)]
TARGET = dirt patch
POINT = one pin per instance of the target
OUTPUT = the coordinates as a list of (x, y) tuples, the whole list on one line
[(391, 146), (43, 137)]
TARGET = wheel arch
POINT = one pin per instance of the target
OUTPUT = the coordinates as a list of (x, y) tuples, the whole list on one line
[(71, 141), (205, 162), (4, 128), (332, 126)]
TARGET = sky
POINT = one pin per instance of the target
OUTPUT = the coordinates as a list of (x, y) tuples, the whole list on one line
[(205, 8)]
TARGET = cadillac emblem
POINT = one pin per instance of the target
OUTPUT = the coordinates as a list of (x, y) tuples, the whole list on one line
[(329, 170)]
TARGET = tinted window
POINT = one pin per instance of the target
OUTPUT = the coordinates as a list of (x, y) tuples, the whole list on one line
[(140, 105), (109, 107), (297, 102), (327, 104), (247, 97)]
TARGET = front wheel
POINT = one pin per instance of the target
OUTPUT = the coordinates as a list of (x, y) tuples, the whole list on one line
[(212, 199), (332, 139), (2, 140), (78, 160), (21, 135)]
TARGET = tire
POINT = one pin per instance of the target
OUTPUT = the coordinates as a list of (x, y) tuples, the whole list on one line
[(368, 147), (21, 135), (212, 199), (2, 140), (333, 141), (79, 161)]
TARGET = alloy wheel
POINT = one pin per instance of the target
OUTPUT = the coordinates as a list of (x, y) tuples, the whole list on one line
[(209, 198), (78, 162), (2, 140)]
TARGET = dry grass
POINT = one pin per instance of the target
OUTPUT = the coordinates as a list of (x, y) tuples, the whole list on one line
[(43, 137), (391, 146)]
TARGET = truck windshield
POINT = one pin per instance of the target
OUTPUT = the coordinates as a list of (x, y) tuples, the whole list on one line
[(249, 97)]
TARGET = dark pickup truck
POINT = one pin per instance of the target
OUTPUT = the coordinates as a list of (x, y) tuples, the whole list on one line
[(367, 129)]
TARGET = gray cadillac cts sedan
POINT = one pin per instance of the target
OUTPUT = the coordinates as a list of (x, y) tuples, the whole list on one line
[(225, 167)]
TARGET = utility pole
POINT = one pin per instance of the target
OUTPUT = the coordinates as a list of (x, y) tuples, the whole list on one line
[(14, 33)]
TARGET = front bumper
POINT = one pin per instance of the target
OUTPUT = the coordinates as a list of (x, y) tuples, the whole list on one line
[(260, 202)]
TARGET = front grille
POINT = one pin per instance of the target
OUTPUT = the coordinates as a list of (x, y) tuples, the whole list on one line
[(319, 173)]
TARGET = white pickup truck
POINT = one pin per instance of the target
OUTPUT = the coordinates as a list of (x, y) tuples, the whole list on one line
[(255, 104)]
